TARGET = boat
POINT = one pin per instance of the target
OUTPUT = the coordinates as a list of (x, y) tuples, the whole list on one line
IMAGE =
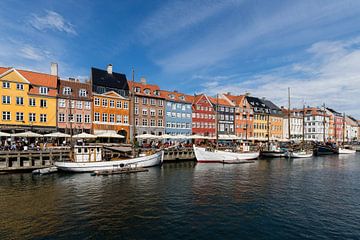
[(208, 155), (90, 159), (324, 150), (43, 171), (342, 150), (274, 153), (298, 154)]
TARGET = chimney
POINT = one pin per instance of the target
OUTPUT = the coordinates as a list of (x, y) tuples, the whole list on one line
[(54, 69), (143, 80), (228, 93), (109, 69)]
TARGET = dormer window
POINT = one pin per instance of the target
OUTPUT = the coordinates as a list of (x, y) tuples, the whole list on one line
[(182, 98), (147, 91), (82, 93), (67, 91), (156, 93), (137, 89), (171, 96), (43, 90)]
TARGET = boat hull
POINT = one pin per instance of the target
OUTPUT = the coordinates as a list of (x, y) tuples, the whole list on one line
[(324, 150), (144, 162), (298, 154), (273, 154), (346, 151), (216, 156)]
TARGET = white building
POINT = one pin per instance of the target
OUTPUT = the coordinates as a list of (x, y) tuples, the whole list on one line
[(351, 129), (314, 125), (296, 124)]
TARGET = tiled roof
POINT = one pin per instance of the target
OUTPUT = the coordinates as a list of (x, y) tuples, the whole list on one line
[(75, 87), (238, 100), (176, 96), (103, 78), (143, 86), (220, 101), (36, 78)]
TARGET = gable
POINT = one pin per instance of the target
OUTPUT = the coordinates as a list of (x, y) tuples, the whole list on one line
[(13, 75)]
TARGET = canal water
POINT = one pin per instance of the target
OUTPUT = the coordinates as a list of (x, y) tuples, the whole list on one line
[(317, 198)]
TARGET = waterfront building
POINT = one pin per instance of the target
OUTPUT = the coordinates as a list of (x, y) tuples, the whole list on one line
[(225, 114), (351, 129), (315, 120), (335, 125), (244, 116), (74, 106), (296, 124), (106, 80), (149, 108), (178, 118), (111, 114), (275, 120), (261, 118), (203, 116), (28, 100)]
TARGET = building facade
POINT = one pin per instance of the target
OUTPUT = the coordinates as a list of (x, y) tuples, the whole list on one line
[(74, 106), (351, 129), (275, 120), (316, 120), (261, 118), (336, 124), (296, 124), (178, 118), (28, 100), (149, 108), (225, 114), (111, 114), (203, 116)]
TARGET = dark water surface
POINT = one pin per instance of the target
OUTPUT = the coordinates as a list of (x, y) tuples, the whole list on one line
[(316, 198)]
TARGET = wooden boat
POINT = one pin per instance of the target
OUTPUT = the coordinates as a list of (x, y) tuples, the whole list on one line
[(43, 171), (273, 153), (324, 150), (346, 151), (89, 159), (298, 154), (206, 155)]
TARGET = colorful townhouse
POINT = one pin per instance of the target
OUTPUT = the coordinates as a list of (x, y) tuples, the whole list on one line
[(149, 108), (244, 116), (203, 116), (296, 124), (315, 121), (351, 129), (74, 106), (261, 118), (275, 120), (111, 103), (336, 123), (178, 118), (28, 100), (225, 114)]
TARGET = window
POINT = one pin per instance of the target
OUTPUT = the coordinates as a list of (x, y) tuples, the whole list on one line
[(112, 103), (144, 111), (6, 116), (67, 91), (97, 102), (32, 102), (161, 102), (78, 118), (43, 103), (157, 93), (112, 118), (152, 112), (43, 118), (136, 110), (19, 101), (20, 86), (32, 117), (6, 99), (70, 118), (137, 89), (160, 123), (126, 105), (19, 116), (147, 91), (136, 122), (71, 104), (144, 101), (87, 105), (118, 118), (104, 117), (96, 117), (82, 93), (104, 102), (136, 100), (144, 122), (61, 117), (43, 90), (152, 101), (87, 118), (118, 104), (160, 112), (152, 122), (6, 85), (78, 104)]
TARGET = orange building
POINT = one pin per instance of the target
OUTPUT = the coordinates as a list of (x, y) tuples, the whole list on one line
[(111, 114)]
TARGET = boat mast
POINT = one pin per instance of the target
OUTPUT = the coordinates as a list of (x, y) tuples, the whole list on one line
[(289, 127), (324, 123), (217, 121), (132, 92), (303, 125), (343, 129), (268, 130)]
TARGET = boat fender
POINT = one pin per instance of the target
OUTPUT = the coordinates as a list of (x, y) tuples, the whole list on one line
[(122, 165)]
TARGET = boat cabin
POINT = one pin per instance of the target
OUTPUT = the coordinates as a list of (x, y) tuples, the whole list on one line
[(87, 153)]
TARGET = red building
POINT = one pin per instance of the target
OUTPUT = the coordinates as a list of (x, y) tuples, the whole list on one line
[(203, 116)]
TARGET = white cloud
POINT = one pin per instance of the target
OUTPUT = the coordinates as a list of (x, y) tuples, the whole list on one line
[(33, 53), (335, 80), (52, 20)]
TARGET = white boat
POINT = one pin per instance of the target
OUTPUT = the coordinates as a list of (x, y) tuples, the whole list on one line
[(298, 154), (204, 155), (346, 151), (89, 159), (43, 171)]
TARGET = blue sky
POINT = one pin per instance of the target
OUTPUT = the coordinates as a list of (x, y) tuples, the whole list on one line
[(261, 47)]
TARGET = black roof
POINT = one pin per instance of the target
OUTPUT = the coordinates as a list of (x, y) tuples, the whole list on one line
[(103, 78), (274, 109)]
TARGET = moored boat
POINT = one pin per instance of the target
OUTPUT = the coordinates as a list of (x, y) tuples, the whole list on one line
[(274, 153), (89, 159), (346, 151), (324, 150), (298, 154), (206, 155)]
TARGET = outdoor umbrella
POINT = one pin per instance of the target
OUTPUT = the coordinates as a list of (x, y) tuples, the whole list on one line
[(148, 136), (109, 135), (57, 135), (166, 136), (28, 134), (84, 135), (196, 136), (2, 134)]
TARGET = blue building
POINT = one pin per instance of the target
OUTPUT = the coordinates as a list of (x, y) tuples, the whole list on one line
[(178, 118)]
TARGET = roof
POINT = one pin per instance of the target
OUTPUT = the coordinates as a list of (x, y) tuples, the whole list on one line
[(103, 78), (238, 100), (200, 96), (221, 101), (36, 78), (153, 89), (176, 96), (75, 87)]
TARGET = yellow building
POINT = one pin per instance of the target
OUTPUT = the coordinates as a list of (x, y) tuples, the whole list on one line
[(276, 127), (260, 126), (28, 100)]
